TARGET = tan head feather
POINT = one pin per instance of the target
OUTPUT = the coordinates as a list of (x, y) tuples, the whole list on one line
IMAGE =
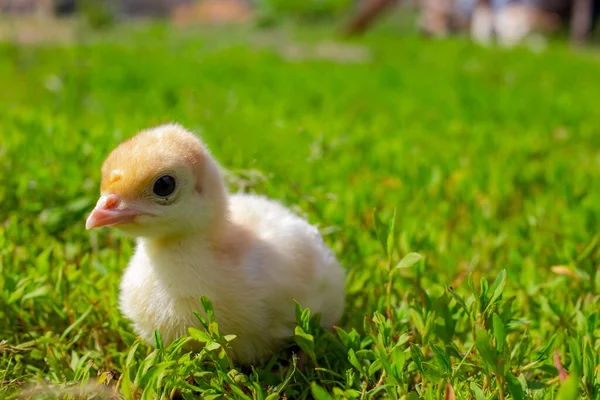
[(132, 166)]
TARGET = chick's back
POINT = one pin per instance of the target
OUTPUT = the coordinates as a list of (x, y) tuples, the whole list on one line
[(288, 262)]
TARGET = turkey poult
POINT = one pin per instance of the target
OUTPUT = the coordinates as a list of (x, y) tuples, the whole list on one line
[(249, 255)]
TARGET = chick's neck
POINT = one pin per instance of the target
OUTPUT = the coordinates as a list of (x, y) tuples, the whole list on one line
[(213, 234)]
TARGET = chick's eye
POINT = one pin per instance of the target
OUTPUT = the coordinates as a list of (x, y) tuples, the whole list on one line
[(164, 186)]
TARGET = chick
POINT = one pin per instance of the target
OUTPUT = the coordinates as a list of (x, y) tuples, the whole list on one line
[(249, 255)]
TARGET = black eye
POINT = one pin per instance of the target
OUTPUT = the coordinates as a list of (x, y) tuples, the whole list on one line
[(164, 186)]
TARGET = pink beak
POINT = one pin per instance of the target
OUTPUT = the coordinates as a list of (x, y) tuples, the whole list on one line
[(107, 213)]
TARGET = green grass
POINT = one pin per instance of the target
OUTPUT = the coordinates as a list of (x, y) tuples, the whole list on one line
[(490, 159)]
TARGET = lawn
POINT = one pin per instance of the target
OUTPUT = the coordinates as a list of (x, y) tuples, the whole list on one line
[(489, 160)]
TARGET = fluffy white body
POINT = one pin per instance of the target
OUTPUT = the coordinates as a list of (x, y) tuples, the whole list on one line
[(253, 296), (258, 260)]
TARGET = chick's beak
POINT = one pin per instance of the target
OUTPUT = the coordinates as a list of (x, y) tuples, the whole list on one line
[(108, 211)]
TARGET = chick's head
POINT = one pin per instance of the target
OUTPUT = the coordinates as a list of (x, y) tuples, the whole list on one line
[(161, 182)]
